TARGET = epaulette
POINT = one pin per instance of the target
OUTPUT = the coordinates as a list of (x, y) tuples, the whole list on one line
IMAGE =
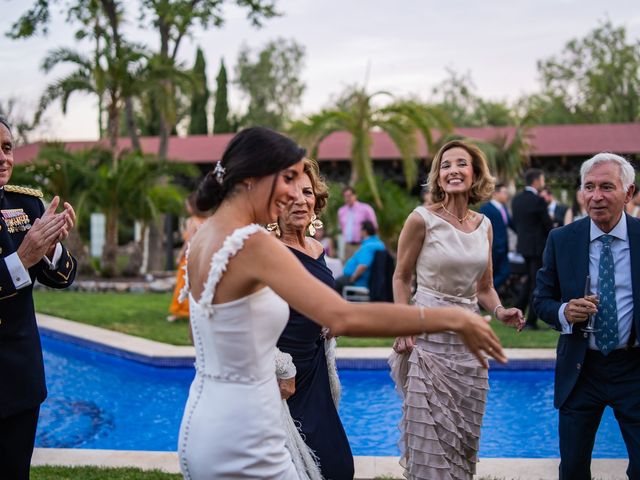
[(24, 190)]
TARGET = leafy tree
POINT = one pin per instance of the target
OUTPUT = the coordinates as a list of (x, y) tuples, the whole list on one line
[(111, 83), (596, 78), (108, 74), (457, 96), (221, 122), (545, 109), (271, 82), (174, 20), (131, 189), (357, 114), (198, 123)]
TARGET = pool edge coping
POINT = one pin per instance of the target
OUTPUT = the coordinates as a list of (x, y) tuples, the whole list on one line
[(158, 354)]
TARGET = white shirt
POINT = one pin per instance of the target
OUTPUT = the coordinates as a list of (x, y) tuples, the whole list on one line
[(620, 249)]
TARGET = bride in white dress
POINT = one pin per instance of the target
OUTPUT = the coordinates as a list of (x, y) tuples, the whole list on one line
[(241, 281)]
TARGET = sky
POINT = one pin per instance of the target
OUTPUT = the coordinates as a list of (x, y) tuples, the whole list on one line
[(402, 46)]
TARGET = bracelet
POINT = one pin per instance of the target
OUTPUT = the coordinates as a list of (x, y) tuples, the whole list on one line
[(495, 310)]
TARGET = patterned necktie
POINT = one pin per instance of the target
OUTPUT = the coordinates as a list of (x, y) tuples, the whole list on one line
[(607, 316)]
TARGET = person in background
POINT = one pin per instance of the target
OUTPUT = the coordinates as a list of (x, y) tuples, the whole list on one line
[(633, 207), (600, 369), (326, 242), (350, 218), (180, 309), (30, 249), (532, 224), (557, 211), (313, 405), (496, 211), (425, 196), (577, 210), (357, 270), (443, 387)]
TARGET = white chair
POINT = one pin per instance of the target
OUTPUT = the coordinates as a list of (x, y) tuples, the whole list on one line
[(335, 265), (352, 293)]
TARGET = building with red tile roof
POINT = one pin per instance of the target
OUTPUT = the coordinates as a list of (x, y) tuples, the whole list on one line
[(546, 141)]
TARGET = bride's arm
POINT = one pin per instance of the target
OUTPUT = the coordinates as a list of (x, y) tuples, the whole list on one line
[(269, 262)]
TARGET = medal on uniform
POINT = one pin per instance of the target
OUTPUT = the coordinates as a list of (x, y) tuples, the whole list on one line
[(16, 220)]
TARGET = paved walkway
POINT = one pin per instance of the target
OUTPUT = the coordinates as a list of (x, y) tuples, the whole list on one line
[(366, 467)]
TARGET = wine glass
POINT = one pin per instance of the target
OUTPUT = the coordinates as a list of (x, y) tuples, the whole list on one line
[(591, 295)]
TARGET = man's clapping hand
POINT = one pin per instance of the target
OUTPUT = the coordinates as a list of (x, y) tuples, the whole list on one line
[(45, 232)]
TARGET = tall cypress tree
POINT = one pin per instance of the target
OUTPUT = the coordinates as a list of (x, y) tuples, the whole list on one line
[(221, 122), (200, 97)]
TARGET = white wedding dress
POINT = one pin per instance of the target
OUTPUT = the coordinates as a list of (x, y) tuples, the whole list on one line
[(232, 427)]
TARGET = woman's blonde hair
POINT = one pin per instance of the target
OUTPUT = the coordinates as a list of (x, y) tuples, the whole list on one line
[(483, 182), (320, 189)]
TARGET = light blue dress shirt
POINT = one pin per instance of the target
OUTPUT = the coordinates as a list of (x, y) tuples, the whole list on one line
[(363, 256), (624, 291)]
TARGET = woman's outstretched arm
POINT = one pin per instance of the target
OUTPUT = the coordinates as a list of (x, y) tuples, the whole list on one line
[(270, 263)]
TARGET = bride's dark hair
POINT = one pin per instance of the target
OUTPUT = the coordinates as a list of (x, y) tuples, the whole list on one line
[(253, 152)]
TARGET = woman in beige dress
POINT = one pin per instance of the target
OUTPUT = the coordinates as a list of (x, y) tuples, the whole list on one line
[(443, 385)]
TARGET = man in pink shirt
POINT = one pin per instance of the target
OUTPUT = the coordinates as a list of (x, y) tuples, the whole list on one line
[(350, 217)]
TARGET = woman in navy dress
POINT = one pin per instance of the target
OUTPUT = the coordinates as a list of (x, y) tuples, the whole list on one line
[(314, 404)]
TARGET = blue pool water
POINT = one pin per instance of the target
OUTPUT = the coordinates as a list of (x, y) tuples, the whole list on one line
[(100, 401)]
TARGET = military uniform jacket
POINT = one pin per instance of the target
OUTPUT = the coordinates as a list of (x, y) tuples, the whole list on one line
[(21, 366)]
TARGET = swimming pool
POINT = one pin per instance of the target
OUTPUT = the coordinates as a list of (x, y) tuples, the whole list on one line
[(100, 401)]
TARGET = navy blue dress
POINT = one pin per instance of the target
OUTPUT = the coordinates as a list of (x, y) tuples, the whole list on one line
[(312, 404)]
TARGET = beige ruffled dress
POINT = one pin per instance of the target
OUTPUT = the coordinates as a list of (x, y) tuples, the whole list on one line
[(442, 384)]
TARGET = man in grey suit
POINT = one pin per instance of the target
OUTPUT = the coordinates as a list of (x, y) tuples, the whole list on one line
[(600, 369)]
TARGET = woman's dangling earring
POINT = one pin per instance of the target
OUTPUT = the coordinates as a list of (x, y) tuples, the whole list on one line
[(316, 224), (274, 227)]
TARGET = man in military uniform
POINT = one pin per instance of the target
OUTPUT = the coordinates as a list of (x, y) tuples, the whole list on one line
[(30, 249)]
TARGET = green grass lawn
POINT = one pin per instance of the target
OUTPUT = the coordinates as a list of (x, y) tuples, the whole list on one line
[(139, 314), (144, 315), (97, 473)]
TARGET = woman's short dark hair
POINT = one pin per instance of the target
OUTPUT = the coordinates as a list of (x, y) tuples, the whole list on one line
[(253, 152), (5, 122)]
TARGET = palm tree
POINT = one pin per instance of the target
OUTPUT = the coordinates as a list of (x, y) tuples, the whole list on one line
[(119, 190), (112, 79), (356, 114), (88, 77)]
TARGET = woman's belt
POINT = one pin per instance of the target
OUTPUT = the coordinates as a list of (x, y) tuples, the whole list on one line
[(446, 297)]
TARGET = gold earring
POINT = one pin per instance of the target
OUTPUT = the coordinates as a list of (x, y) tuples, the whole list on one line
[(274, 227), (316, 224)]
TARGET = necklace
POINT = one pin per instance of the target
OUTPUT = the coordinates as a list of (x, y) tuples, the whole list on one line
[(460, 219)]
